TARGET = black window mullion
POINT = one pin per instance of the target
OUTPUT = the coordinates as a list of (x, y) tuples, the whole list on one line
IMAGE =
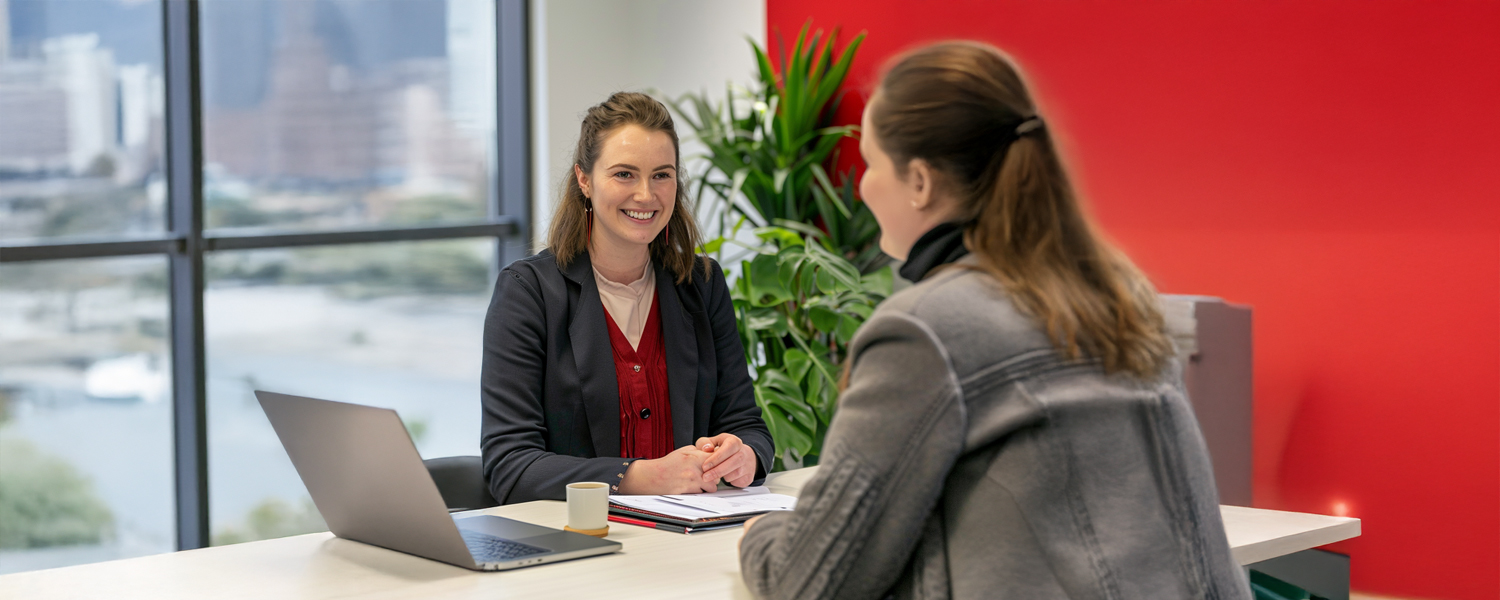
[(185, 218), (512, 197), (28, 252), (500, 227)]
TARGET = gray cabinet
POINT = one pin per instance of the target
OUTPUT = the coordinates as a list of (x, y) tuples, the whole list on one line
[(1214, 340)]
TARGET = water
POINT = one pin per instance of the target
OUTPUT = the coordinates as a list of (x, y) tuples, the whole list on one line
[(418, 355)]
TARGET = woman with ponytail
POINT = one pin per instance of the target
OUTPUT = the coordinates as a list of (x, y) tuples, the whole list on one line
[(613, 355), (1014, 424)]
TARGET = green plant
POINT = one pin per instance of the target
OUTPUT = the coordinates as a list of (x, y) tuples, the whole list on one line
[(816, 273), (798, 306), (769, 148), (45, 501)]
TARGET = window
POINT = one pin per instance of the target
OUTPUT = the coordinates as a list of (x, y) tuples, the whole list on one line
[(199, 199), (85, 412), (81, 109), (395, 325), (344, 114)]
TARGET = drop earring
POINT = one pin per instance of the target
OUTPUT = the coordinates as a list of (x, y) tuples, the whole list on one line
[(589, 227)]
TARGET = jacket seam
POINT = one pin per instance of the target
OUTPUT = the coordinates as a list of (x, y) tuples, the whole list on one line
[(1026, 366), (1184, 519), (530, 289), (1082, 524)]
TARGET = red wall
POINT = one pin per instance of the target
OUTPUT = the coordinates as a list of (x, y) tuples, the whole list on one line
[(1334, 164)]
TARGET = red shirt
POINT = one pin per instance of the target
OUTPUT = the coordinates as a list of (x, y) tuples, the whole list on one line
[(645, 408)]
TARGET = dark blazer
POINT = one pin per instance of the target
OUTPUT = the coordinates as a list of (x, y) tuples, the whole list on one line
[(548, 390)]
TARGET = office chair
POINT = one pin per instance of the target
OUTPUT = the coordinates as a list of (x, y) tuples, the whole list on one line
[(460, 479)]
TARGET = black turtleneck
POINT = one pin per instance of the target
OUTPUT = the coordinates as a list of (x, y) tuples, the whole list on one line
[(939, 246)]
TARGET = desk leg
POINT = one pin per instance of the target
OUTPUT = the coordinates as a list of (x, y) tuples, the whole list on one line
[(1322, 573)]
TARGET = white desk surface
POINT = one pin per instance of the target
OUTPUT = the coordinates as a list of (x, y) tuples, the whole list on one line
[(653, 564)]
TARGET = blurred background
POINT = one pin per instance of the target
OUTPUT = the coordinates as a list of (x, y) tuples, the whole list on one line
[(365, 167)]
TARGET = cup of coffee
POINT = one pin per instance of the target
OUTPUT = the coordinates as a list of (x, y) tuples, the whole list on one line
[(588, 508)]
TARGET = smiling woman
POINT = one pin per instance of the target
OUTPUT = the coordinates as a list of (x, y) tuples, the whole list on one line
[(626, 159), (618, 344), (632, 207)]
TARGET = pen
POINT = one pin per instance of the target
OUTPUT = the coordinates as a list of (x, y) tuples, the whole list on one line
[(661, 526)]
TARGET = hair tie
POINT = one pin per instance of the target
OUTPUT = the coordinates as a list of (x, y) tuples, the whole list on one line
[(1029, 125)]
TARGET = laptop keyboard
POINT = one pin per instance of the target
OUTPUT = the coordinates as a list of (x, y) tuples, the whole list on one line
[(488, 548)]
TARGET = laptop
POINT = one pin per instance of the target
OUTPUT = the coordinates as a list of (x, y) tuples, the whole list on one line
[(366, 478)]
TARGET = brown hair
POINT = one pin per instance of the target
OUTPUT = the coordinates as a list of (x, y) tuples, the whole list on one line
[(568, 234), (958, 106)]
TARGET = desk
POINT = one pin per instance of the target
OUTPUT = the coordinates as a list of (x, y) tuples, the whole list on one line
[(653, 564)]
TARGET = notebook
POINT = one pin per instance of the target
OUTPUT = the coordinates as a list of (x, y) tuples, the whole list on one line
[(702, 511)]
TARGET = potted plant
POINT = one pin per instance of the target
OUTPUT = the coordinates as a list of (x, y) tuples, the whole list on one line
[(816, 272)]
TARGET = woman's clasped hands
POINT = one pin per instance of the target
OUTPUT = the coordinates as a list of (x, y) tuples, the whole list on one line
[(693, 469), (730, 459)]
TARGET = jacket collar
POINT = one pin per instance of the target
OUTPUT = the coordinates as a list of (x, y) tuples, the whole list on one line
[(939, 246), (588, 332), (581, 270)]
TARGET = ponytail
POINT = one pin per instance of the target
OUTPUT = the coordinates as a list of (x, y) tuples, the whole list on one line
[(963, 107)]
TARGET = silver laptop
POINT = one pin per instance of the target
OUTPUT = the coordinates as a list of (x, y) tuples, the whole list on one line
[(366, 477)]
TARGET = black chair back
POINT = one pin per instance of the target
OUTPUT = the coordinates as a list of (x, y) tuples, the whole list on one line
[(460, 479)]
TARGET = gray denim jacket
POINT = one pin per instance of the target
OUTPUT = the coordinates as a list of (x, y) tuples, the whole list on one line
[(969, 460)]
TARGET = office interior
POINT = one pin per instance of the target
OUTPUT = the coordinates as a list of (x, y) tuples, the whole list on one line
[(203, 198)]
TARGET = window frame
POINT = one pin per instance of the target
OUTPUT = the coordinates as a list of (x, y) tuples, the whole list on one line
[(507, 219)]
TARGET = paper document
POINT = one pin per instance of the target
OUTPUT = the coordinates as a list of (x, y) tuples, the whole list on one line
[(726, 503)]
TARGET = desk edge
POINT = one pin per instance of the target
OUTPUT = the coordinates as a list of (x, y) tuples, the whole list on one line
[(1258, 551)]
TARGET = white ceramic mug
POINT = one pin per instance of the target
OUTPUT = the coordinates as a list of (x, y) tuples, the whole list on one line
[(588, 505)]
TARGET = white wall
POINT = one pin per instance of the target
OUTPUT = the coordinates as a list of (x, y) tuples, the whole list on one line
[(584, 50)]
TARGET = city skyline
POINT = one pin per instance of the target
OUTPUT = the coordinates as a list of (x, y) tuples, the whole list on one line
[(383, 100)]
